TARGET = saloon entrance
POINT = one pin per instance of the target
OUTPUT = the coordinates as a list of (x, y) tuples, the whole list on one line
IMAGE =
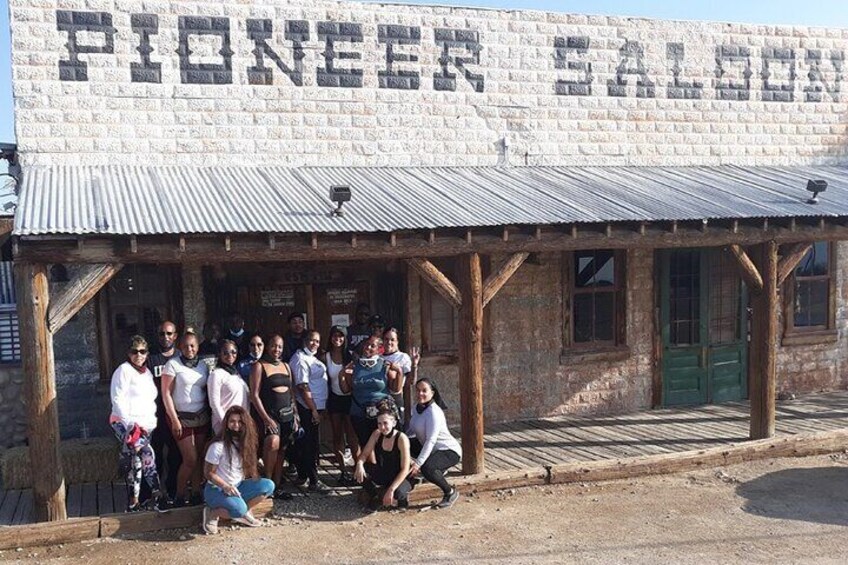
[(326, 293), (704, 327)]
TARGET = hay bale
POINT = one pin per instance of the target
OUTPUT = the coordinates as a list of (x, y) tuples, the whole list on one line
[(84, 461)]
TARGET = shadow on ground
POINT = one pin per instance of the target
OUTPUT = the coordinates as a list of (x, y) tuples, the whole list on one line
[(810, 495)]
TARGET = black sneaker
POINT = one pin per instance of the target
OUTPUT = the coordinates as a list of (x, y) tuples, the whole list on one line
[(280, 494), (134, 508), (346, 479), (161, 505), (299, 482), (449, 499), (319, 488)]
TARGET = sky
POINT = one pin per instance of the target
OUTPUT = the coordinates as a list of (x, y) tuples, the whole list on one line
[(832, 13)]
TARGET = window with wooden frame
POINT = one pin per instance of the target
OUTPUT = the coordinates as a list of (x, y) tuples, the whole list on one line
[(810, 296), (594, 299), (439, 320)]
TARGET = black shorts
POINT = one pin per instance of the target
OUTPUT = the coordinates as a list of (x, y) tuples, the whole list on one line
[(284, 430), (338, 404)]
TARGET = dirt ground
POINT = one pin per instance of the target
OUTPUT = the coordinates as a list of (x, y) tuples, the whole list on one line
[(786, 511)]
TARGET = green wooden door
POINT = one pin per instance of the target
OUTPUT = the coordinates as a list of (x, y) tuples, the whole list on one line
[(703, 328)]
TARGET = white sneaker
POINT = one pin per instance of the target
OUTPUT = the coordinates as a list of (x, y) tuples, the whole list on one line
[(210, 522), (248, 520)]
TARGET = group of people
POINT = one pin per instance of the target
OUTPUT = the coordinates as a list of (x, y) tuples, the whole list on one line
[(267, 398)]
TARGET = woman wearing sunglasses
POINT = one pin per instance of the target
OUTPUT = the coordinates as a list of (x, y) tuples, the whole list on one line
[(225, 386), (133, 419)]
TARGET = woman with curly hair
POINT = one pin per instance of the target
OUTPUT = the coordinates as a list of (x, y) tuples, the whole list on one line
[(233, 486)]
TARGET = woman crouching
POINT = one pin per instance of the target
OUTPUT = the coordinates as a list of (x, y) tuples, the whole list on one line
[(233, 486), (391, 449)]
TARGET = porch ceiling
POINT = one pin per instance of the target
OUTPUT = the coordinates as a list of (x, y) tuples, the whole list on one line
[(126, 200)]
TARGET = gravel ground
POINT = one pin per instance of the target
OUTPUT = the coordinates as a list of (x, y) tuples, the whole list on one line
[(778, 511)]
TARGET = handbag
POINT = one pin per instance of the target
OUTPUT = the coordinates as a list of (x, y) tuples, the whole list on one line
[(195, 419)]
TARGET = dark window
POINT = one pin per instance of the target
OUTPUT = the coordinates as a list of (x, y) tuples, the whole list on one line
[(810, 293), (595, 303), (10, 342), (140, 297)]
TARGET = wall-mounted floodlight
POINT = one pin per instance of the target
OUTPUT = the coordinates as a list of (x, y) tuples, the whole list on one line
[(339, 194), (816, 187)]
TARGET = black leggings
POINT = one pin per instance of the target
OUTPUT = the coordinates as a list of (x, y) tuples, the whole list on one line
[(308, 447), (379, 477), (436, 464)]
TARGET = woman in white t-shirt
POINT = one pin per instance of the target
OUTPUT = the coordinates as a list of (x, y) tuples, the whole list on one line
[(184, 396), (408, 365), (233, 486)]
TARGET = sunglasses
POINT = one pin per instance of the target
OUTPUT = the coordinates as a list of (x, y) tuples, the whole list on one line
[(231, 352), (167, 333), (138, 351)]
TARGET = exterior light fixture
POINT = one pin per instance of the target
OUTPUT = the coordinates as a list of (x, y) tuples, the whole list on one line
[(339, 194), (816, 187), (9, 153)]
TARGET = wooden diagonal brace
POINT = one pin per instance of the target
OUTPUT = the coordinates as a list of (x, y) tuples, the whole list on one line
[(792, 255), (78, 292), (495, 281), (436, 279), (749, 271)]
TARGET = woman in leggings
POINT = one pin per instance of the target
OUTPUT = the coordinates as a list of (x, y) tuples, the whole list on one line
[(271, 395), (133, 419), (434, 448)]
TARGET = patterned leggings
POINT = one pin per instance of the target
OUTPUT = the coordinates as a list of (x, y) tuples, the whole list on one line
[(137, 461)]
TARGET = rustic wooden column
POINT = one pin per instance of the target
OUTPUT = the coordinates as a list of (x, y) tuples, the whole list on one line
[(48, 479), (764, 346), (471, 362)]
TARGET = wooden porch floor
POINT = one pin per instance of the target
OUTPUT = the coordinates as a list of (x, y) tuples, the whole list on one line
[(545, 442)]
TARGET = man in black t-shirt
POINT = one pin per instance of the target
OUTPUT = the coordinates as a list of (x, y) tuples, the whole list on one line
[(359, 332), (168, 457), (293, 340), (238, 335)]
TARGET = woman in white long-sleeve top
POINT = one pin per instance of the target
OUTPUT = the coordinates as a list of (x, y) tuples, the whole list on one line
[(133, 419), (434, 448), (225, 387)]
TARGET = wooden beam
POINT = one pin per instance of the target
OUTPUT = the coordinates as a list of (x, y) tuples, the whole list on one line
[(764, 347), (471, 363), (78, 292), (206, 249), (104, 333), (748, 269), (48, 479), (436, 279), (495, 281), (791, 257)]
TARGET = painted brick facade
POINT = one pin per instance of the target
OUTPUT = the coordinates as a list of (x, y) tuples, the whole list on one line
[(299, 83)]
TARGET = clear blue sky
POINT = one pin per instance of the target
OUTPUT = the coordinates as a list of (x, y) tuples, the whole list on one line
[(818, 12)]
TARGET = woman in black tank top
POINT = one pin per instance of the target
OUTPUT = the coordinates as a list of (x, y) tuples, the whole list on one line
[(391, 449), (271, 395)]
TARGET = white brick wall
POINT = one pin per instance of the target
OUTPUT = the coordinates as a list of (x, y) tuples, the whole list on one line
[(109, 119)]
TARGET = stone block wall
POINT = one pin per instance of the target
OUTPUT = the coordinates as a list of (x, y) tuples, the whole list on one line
[(314, 82), (526, 372), (821, 366)]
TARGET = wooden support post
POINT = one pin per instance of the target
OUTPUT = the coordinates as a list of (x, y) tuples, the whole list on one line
[(48, 479), (748, 270), (791, 257), (471, 363), (78, 292), (495, 281), (764, 347), (436, 279)]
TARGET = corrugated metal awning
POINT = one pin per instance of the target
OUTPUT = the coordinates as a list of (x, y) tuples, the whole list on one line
[(126, 200)]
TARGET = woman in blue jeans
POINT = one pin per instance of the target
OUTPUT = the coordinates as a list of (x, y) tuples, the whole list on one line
[(233, 485)]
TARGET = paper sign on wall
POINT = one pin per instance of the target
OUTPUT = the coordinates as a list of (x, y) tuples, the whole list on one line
[(341, 320)]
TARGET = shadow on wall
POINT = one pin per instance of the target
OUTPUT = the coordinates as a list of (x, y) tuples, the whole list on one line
[(808, 495)]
